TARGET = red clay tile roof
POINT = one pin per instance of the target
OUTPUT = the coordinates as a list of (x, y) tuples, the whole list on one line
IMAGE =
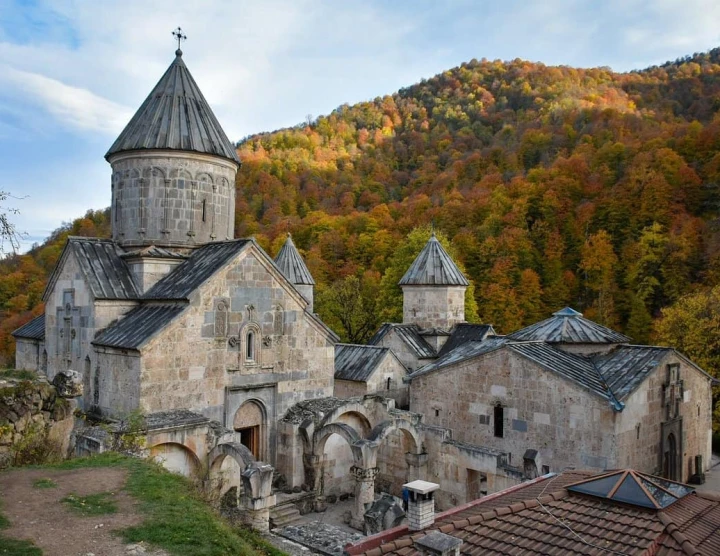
[(542, 517)]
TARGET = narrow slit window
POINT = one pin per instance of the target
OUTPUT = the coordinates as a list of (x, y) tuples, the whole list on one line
[(250, 347), (498, 420), (204, 211), (388, 384)]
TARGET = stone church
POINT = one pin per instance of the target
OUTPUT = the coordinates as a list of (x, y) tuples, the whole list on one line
[(216, 343), (173, 312)]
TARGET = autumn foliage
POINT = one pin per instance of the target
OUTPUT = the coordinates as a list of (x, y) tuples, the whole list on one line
[(555, 186)]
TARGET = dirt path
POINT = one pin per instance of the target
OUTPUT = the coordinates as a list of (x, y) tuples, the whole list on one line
[(38, 514)]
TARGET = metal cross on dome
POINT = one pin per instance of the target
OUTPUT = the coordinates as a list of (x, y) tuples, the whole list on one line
[(179, 36)]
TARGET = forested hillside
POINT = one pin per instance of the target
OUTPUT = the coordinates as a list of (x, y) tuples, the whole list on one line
[(555, 186)]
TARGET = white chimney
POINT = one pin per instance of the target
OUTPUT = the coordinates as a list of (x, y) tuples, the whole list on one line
[(421, 504)]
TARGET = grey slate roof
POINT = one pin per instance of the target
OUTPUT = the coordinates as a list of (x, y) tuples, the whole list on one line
[(569, 327), (105, 272), (465, 332), (626, 367), (292, 266), (138, 326), (176, 116), (408, 333), (33, 330), (433, 267), (357, 363), (574, 367), (463, 352), (201, 265)]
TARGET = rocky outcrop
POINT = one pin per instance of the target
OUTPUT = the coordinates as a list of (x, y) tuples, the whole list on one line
[(35, 422), (68, 384)]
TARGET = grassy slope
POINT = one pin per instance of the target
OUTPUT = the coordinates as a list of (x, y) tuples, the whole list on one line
[(177, 519)]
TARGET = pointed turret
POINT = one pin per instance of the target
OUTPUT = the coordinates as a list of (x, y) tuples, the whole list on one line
[(433, 289), (294, 269), (174, 169)]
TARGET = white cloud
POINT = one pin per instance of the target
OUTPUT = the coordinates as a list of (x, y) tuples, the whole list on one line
[(74, 107)]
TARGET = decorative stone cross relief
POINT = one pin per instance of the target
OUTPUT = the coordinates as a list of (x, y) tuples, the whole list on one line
[(251, 312), (672, 392)]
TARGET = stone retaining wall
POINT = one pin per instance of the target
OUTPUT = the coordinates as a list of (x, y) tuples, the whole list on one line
[(35, 422)]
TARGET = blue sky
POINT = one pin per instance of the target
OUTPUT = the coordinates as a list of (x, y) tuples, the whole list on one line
[(72, 73)]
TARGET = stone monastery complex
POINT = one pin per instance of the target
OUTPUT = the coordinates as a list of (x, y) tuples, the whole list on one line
[(216, 343)]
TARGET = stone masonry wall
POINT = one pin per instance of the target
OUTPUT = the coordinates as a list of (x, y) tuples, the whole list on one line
[(638, 426), (71, 310), (434, 306), (389, 368), (567, 424), (172, 199), (34, 422), (200, 361), (28, 354)]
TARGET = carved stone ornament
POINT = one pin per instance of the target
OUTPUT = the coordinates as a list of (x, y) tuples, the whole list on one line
[(363, 473), (266, 341), (233, 341), (72, 333)]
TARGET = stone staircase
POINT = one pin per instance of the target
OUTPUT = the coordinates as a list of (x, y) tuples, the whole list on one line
[(282, 516)]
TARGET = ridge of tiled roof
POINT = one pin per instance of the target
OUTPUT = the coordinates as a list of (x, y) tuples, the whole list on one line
[(570, 327), (33, 330), (433, 267), (409, 334), (292, 266), (175, 116), (105, 272)]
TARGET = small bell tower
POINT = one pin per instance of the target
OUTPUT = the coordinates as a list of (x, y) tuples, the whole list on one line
[(433, 289)]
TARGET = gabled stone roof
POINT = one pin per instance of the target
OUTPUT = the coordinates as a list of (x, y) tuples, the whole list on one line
[(33, 330), (568, 326), (357, 362), (175, 116), (201, 265), (105, 272), (464, 332), (138, 326), (408, 333), (292, 265), (433, 267)]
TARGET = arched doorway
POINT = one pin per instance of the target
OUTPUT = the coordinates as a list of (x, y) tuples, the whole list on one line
[(250, 422)]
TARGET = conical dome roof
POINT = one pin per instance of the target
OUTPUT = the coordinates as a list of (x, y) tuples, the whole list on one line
[(568, 326), (433, 267), (176, 116), (292, 266)]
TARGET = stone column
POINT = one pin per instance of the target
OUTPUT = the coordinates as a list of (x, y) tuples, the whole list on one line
[(364, 494), (417, 466), (257, 496), (311, 463)]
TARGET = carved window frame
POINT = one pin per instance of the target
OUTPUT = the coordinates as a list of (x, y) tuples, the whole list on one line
[(250, 348)]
